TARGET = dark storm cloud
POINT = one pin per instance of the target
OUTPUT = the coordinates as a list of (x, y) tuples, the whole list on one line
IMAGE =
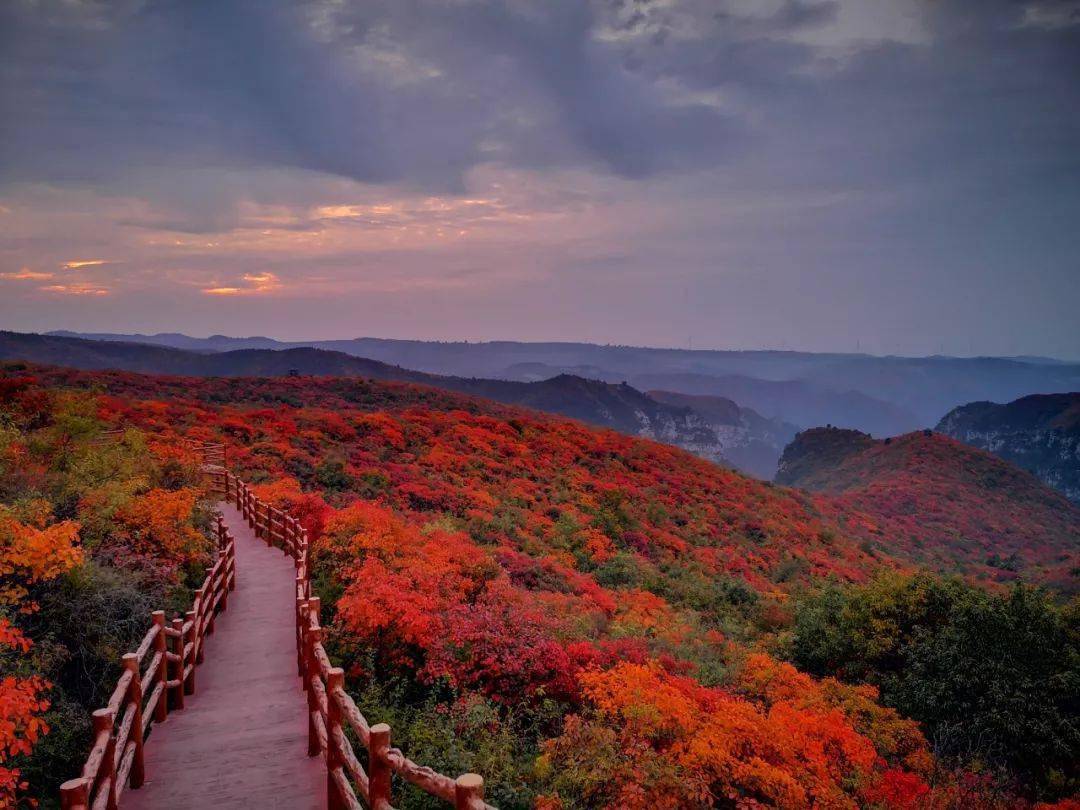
[(419, 91), (376, 92)]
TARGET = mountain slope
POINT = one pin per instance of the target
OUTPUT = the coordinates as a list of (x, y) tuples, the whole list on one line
[(616, 406), (1039, 433), (926, 489), (947, 506)]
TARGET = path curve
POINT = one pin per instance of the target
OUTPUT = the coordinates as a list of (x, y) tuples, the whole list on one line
[(242, 739)]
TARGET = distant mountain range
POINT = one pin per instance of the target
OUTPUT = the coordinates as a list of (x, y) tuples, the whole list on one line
[(794, 401), (925, 489), (729, 434), (1039, 433), (879, 395)]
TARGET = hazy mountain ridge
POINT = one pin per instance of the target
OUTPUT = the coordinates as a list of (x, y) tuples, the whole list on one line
[(794, 401), (880, 395), (1039, 433), (620, 407)]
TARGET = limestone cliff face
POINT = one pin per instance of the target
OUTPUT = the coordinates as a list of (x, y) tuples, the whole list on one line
[(740, 436), (1039, 433)]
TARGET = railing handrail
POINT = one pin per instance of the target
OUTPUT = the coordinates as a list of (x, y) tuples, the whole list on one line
[(141, 695), (330, 708), (116, 756)]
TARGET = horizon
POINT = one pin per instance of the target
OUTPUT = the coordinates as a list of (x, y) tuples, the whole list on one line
[(889, 177), (88, 335)]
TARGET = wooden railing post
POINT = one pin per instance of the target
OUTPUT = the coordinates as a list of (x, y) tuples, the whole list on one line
[(301, 621), (75, 794), (103, 722), (468, 791), (138, 772), (232, 562), (161, 647), (312, 636), (211, 594), (379, 773), (335, 680), (192, 637), (178, 666)]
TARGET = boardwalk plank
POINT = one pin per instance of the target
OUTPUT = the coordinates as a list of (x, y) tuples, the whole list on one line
[(242, 740)]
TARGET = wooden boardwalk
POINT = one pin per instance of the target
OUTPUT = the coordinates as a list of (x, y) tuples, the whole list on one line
[(241, 741)]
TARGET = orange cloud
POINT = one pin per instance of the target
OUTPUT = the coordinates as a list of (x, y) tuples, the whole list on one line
[(260, 283), (26, 274), (78, 264), (75, 289)]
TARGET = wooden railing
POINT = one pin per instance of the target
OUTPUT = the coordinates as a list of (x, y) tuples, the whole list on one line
[(116, 755), (332, 713), (142, 695)]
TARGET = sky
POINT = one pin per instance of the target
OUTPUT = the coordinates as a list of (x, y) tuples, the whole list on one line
[(888, 176)]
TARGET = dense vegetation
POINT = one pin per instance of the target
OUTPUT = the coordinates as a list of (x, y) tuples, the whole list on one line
[(586, 619), (94, 535), (926, 490), (993, 678)]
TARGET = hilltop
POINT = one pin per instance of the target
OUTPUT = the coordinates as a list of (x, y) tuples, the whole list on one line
[(926, 490)]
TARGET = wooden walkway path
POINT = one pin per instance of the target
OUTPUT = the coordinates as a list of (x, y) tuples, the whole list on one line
[(242, 740)]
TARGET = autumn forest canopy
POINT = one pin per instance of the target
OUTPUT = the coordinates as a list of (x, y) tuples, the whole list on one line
[(587, 619)]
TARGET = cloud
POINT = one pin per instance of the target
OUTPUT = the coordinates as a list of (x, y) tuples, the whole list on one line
[(774, 162), (79, 264), (25, 274), (255, 284), (75, 289)]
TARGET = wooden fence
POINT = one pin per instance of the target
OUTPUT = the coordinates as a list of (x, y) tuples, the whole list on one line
[(143, 695), (333, 716)]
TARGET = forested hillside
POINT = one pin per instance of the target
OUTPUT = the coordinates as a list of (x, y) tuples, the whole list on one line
[(617, 406), (95, 532), (926, 490), (588, 619)]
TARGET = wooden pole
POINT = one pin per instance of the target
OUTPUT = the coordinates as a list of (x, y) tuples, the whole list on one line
[(103, 723), (232, 563), (193, 636), (379, 773), (211, 594), (223, 583), (178, 667), (301, 620), (312, 636), (75, 794), (335, 680), (468, 791), (138, 766), (161, 647)]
